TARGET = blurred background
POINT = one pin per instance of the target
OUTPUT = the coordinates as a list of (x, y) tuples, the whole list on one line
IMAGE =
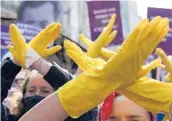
[(86, 17)]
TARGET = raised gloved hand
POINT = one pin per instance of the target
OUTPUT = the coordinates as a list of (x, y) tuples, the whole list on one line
[(148, 99), (26, 54), (18, 50), (95, 84), (104, 38), (136, 92), (167, 63)]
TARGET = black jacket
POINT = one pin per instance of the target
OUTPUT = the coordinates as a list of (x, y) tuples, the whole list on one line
[(8, 72)]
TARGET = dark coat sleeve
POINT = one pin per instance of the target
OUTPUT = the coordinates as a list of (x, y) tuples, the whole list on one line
[(9, 70), (57, 76)]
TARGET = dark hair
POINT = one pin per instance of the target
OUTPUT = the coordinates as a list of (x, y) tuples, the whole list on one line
[(25, 4)]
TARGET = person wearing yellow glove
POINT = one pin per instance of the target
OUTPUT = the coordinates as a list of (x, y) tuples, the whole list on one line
[(86, 62), (147, 98), (151, 102), (94, 85), (27, 54), (167, 63), (129, 62)]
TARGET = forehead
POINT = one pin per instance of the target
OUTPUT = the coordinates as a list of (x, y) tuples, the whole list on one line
[(37, 81), (124, 106), (44, 11)]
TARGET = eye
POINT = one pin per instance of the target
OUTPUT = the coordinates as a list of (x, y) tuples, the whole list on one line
[(46, 91), (31, 90)]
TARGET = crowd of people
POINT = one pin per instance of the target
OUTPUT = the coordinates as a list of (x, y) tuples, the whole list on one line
[(108, 85)]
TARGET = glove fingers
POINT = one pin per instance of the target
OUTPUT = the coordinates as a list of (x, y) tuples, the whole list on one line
[(101, 40), (10, 48), (111, 37), (159, 32), (53, 33), (110, 24), (46, 35), (85, 40), (54, 50), (134, 35), (152, 41), (16, 36), (152, 65), (132, 41), (76, 56), (50, 26), (161, 26), (161, 35), (148, 67), (68, 45), (139, 30), (165, 59), (147, 30)]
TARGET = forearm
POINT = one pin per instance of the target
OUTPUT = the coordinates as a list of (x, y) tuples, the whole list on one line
[(42, 66), (49, 109), (153, 95)]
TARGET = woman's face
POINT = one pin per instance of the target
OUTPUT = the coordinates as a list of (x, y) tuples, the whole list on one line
[(38, 86), (126, 110)]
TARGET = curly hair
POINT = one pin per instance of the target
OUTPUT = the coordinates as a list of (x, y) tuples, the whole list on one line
[(20, 100)]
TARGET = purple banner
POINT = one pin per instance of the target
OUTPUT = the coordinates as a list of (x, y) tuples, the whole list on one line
[(28, 32), (100, 13), (166, 43)]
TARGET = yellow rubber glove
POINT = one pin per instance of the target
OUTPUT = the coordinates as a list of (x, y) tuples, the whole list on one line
[(135, 91), (18, 50), (155, 96), (95, 84), (25, 54), (154, 103), (167, 63), (106, 34), (44, 38)]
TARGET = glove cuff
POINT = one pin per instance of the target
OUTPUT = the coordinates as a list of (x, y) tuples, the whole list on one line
[(31, 57)]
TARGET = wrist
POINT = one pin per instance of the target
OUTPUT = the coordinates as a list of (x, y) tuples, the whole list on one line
[(41, 66), (31, 57), (14, 61)]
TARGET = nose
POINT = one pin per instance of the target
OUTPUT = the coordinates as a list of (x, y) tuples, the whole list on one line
[(38, 92)]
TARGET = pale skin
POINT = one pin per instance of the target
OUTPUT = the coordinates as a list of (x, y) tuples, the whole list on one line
[(38, 86), (125, 110)]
